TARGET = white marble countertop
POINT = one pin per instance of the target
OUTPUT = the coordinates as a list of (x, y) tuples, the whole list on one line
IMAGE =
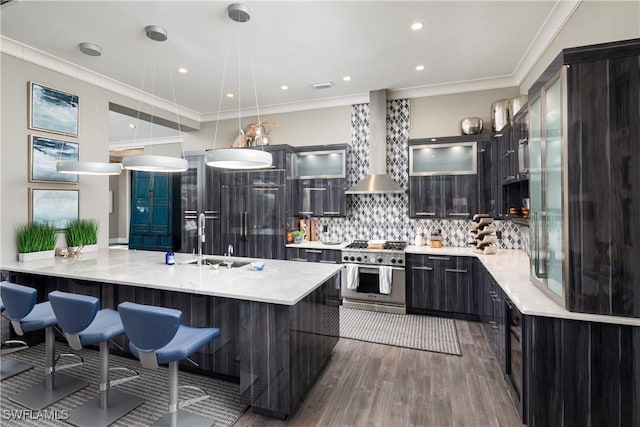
[(280, 282), (510, 269), (317, 244)]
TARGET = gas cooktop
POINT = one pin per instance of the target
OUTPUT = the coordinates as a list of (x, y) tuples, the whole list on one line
[(387, 245), (382, 253)]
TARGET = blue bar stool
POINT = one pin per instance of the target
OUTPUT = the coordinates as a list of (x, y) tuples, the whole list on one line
[(83, 323), (11, 367), (25, 316), (157, 337)]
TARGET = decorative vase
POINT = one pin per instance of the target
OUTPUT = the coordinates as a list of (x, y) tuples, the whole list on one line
[(36, 256), (500, 114), (471, 126), (517, 103)]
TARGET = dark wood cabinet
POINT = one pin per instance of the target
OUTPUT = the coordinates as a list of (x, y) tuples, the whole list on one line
[(452, 197), (327, 256), (253, 210), (490, 192), (321, 197), (425, 195), (155, 223), (449, 182), (200, 193), (585, 196), (320, 181), (440, 284)]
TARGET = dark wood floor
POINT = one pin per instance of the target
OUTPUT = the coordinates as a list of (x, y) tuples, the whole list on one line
[(377, 385)]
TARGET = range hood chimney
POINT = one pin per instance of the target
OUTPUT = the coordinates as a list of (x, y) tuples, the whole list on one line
[(377, 181)]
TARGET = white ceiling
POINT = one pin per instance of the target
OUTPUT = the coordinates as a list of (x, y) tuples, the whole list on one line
[(292, 43)]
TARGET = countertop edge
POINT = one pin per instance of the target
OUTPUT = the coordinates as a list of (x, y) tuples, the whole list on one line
[(517, 296)]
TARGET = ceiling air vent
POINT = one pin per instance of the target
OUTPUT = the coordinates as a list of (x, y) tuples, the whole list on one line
[(322, 85)]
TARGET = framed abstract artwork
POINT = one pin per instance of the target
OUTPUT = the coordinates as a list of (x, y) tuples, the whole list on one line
[(52, 110), (56, 207), (43, 155)]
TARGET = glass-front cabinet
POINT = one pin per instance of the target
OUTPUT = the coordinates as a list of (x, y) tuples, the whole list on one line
[(443, 159), (443, 177), (321, 164), (547, 147)]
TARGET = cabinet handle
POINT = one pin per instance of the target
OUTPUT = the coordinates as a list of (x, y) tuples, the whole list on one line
[(442, 258), (459, 214), (305, 212), (190, 212), (315, 188), (523, 141), (265, 188), (324, 261), (455, 270), (508, 153), (507, 178), (493, 324), (211, 217), (190, 217), (210, 212), (313, 251), (331, 213), (422, 268), (425, 214)]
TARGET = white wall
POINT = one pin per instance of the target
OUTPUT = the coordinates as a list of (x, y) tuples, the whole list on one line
[(592, 22), (440, 115), (93, 144), (312, 127), (92, 140)]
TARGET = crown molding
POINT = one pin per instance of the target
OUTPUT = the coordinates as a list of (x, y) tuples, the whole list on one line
[(454, 87), (46, 60), (561, 12), (558, 16), (311, 104)]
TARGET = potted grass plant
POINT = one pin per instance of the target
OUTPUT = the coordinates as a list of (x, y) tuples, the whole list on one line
[(82, 235), (36, 242)]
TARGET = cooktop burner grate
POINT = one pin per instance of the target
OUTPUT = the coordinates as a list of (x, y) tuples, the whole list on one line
[(390, 245)]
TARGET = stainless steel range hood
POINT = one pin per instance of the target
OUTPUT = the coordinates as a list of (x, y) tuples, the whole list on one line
[(377, 181)]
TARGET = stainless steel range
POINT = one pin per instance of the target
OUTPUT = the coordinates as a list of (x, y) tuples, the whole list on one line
[(369, 261)]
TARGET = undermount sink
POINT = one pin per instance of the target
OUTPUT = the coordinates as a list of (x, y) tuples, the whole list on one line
[(217, 263)]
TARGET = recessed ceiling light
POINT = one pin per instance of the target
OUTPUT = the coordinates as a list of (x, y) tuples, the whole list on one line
[(230, 95), (416, 26), (284, 87), (419, 67), (183, 70), (346, 78), (132, 126)]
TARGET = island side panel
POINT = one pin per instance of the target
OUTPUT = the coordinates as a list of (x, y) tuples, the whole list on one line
[(218, 357), (283, 350)]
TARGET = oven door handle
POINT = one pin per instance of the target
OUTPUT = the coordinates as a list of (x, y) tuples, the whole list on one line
[(375, 270)]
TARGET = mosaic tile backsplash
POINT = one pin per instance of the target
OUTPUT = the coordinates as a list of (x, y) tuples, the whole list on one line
[(386, 216)]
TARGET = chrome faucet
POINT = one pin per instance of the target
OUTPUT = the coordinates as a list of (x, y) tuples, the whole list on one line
[(229, 262), (201, 238)]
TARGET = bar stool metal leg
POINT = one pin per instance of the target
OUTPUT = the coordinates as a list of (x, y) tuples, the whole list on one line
[(177, 417), (111, 404), (54, 387)]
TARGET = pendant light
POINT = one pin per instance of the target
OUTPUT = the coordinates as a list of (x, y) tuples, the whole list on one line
[(88, 168), (238, 158), (151, 163), (75, 167)]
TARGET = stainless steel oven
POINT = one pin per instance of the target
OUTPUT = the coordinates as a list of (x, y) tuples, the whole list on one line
[(367, 294)]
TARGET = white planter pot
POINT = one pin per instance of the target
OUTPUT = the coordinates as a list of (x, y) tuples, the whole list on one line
[(36, 256), (89, 248)]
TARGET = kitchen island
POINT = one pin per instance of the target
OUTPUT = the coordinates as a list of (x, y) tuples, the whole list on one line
[(277, 330)]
